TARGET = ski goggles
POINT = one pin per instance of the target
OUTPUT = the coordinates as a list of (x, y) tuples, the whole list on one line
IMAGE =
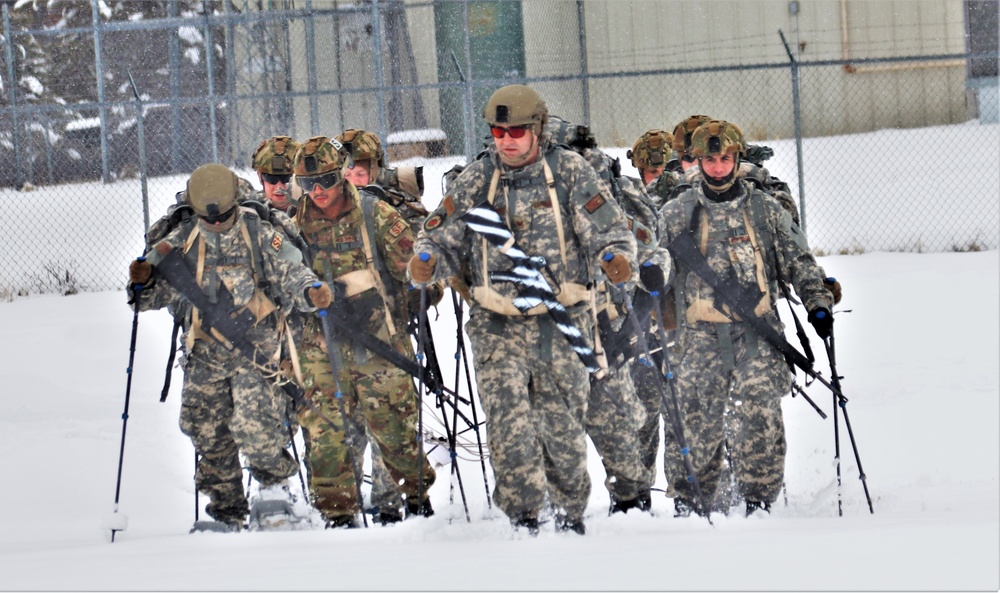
[(688, 158), (276, 179), (217, 217), (325, 181), (515, 132)]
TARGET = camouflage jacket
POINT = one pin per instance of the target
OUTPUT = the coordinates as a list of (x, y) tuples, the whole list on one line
[(229, 265), (728, 246), (338, 246), (760, 178), (593, 223), (666, 187)]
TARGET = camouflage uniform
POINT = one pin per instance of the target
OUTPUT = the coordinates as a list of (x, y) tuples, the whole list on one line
[(532, 385), (227, 406), (374, 390), (723, 364), (614, 413)]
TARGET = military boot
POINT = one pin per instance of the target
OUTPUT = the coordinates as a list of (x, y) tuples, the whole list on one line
[(755, 505), (342, 522), (423, 509), (528, 522), (565, 523)]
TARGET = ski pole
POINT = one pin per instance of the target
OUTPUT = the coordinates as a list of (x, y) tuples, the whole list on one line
[(421, 345), (170, 359), (462, 360), (350, 431), (647, 360), (119, 521), (841, 402)]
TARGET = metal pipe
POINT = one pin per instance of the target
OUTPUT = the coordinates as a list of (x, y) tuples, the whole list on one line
[(12, 92), (174, 59), (101, 108), (470, 122), (210, 66), (585, 84), (312, 81), (379, 75)]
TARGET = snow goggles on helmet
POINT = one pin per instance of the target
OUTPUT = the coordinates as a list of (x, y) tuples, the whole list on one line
[(276, 179), (326, 181), (515, 132), (215, 217)]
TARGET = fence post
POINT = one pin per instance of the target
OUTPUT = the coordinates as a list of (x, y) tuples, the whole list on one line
[(379, 75), (797, 110), (311, 70), (210, 66), (174, 58), (12, 91), (470, 122), (231, 107), (101, 107), (141, 139), (584, 68)]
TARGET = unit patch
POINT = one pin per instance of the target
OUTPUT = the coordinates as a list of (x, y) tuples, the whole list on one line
[(406, 244), (276, 242), (398, 228), (433, 222), (643, 235), (594, 203)]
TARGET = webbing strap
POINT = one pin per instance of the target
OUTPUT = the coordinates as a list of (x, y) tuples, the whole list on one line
[(372, 256)]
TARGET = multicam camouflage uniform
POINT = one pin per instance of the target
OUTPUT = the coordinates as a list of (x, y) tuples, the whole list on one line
[(532, 385), (227, 406), (374, 389), (721, 363)]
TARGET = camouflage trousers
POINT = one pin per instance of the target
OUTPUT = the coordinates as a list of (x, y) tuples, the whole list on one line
[(384, 397), (226, 408), (614, 418), (720, 402), (384, 494), (648, 434), (534, 390)]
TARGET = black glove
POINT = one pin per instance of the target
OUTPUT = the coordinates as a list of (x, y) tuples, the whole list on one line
[(651, 276), (822, 320)]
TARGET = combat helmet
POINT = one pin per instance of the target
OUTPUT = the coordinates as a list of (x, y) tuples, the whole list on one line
[(319, 159), (683, 131), (516, 105), (717, 137), (362, 145), (212, 190), (651, 150), (274, 155)]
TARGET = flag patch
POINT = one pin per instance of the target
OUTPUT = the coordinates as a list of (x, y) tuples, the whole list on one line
[(594, 203)]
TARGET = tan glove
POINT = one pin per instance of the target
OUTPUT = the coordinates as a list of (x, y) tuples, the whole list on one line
[(140, 271), (616, 268), (421, 271), (320, 296), (833, 285)]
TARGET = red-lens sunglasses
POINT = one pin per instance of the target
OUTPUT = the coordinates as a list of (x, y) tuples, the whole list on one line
[(515, 132)]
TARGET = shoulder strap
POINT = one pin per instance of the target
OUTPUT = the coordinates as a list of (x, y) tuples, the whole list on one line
[(374, 258)]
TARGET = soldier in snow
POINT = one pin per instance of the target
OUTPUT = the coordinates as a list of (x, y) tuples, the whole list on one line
[(532, 384)]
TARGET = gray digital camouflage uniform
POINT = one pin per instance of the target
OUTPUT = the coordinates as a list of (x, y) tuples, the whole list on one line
[(227, 405), (722, 366), (533, 387)]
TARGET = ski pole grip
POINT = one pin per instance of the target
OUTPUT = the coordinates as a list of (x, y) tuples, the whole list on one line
[(608, 256), (830, 280), (424, 256), (821, 314), (141, 258)]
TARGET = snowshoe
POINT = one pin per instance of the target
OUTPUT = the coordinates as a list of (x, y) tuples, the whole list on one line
[(216, 527), (273, 509)]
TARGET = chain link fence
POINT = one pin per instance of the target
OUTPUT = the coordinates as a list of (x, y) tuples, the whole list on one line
[(106, 109)]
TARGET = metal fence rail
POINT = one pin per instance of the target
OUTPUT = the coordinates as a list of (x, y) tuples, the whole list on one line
[(84, 176)]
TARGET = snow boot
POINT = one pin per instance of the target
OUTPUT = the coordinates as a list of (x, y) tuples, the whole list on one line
[(643, 501), (527, 522), (273, 509), (342, 522), (387, 516), (424, 509), (684, 507), (564, 524), (754, 505)]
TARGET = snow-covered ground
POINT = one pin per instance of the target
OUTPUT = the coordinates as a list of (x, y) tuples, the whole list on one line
[(918, 344)]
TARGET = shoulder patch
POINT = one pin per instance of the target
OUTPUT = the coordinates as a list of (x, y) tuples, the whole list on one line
[(433, 222), (406, 244), (398, 228), (643, 235), (449, 205), (276, 242), (594, 203)]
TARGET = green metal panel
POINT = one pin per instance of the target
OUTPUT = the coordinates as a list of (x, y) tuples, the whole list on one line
[(496, 48)]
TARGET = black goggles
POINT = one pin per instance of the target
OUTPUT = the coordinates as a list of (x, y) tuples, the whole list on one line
[(216, 217), (326, 181), (276, 179), (688, 158)]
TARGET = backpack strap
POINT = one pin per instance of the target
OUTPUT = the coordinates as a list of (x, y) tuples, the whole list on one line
[(372, 255)]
